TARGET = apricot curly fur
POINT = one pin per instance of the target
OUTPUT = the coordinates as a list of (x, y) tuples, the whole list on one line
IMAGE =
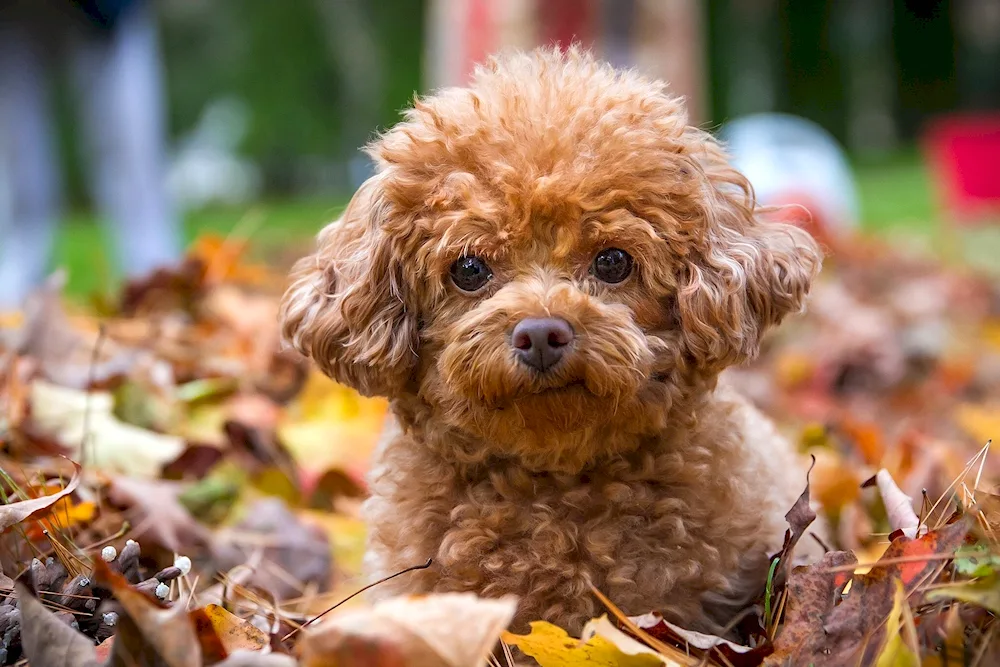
[(628, 465)]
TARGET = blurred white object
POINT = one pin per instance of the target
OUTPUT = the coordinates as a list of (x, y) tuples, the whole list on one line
[(206, 168), (790, 160)]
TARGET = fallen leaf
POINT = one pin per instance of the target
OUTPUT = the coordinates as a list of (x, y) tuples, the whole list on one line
[(835, 483), (867, 437), (235, 632), (981, 423), (16, 512), (258, 659), (799, 518), (984, 593), (600, 645), (898, 505), (896, 652), (659, 628), (63, 352), (148, 631), (163, 517), (445, 630), (48, 641), (332, 427), (296, 554), (811, 594), (949, 646), (111, 445), (820, 633), (977, 561), (63, 515)]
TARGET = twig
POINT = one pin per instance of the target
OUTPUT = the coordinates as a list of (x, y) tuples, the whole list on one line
[(91, 371), (357, 593)]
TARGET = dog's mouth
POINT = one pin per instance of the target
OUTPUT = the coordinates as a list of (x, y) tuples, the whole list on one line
[(545, 398), (568, 387)]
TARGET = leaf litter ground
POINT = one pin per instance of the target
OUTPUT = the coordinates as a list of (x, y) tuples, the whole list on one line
[(178, 491)]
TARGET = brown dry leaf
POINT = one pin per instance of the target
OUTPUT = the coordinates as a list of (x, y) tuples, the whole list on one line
[(295, 554), (148, 632), (48, 641), (17, 512), (163, 516), (811, 596), (817, 632), (446, 630), (799, 518), (63, 351)]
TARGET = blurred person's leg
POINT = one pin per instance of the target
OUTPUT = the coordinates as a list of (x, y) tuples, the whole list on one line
[(617, 31), (27, 150), (119, 85)]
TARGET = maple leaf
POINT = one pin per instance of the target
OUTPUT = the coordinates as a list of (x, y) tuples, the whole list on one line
[(819, 632), (600, 645)]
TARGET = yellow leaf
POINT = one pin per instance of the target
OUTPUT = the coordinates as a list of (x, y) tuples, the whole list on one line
[(896, 652), (234, 632), (794, 368), (332, 426), (601, 645), (982, 423), (833, 483), (952, 650), (347, 538)]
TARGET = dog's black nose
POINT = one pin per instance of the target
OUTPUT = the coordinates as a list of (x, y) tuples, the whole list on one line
[(540, 342)]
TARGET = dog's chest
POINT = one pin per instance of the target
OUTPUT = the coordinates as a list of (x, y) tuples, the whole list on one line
[(559, 531)]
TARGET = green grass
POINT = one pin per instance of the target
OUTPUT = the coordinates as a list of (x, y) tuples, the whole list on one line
[(896, 195)]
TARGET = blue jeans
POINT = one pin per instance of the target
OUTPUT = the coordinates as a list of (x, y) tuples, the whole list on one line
[(117, 81)]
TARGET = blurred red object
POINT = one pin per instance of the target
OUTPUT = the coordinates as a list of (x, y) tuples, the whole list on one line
[(964, 157)]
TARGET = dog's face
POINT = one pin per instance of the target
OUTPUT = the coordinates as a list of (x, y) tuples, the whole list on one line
[(548, 252)]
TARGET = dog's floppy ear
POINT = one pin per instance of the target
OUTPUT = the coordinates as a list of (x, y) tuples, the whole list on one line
[(346, 307), (748, 275)]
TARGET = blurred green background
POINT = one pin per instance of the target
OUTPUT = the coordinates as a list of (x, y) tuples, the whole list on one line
[(314, 79)]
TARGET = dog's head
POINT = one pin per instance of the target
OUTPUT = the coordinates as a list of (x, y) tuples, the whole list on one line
[(547, 251)]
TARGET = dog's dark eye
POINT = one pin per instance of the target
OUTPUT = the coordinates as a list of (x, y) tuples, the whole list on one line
[(612, 265), (470, 274)]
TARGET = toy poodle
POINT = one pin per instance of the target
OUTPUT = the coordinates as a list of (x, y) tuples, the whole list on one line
[(546, 276)]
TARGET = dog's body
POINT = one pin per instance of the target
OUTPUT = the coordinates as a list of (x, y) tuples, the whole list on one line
[(546, 277), (657, 528)]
